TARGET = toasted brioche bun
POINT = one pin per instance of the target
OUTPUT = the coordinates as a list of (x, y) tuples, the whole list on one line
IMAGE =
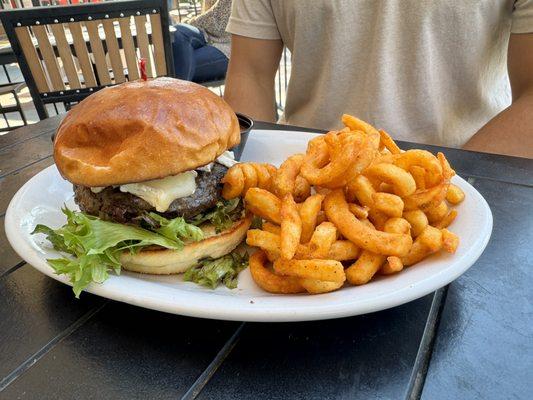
[(143, 130), (164, 261)]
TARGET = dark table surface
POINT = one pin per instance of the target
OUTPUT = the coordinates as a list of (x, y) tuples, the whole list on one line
[(470, 340)]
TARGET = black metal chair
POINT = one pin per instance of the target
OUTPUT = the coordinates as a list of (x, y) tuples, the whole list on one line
[(68, 52)]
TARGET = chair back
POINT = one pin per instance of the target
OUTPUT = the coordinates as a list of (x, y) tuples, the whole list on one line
[(10, 4), (68, 52)]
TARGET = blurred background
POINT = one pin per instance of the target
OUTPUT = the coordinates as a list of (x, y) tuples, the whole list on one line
[(11, 76)]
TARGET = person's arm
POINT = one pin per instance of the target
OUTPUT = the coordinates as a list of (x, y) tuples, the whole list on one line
[(511, 131), (250, 77)]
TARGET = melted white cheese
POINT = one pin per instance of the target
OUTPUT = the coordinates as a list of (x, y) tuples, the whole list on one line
[(227, 159), (160, 193), (205, 168)]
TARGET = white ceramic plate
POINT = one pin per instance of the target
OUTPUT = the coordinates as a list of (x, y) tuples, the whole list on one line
[(40, 200)]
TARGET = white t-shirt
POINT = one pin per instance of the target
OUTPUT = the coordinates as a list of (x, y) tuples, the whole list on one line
[(429, 71)]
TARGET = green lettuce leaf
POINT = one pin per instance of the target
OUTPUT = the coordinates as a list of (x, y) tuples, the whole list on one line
[(96, 245), (177, 229), (222, 216), (212, 272), (57, 240)]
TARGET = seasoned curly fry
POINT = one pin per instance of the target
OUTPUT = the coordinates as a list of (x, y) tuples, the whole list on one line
[(419, 175), (264, 175), (424, 159), (309, 215), (250, 176), (450, 241), (385, 159), (340, 161), (392, 265), (272, 228), (268, 280), (402, 181), (360, 212), (244, 176), (455, 195), (324, 270), (367, 238), (369, 263), (388, 142), (354, 196), (291, 227), (357, 124), (343, 250), (315, 286), (425, 199), (427, 243), (364, 268), (447, 220), (389, 204), (233, 183), (322, 239), (437, 213), (284, 180), (263, 204), (266, 240), (418, 221), (361, 189), (447, 171), (302, 189)]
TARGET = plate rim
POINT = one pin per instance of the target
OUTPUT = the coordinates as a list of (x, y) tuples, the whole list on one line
[(254, 314)]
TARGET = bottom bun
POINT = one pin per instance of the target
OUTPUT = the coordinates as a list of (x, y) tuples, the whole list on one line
[(162, 261)]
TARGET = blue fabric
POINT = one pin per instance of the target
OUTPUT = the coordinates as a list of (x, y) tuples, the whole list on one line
[(194, 59)]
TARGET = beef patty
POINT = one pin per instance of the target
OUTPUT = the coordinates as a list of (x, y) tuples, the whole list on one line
[(113, 205)]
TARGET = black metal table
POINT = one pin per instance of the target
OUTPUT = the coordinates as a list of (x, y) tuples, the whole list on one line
[(471, 340)]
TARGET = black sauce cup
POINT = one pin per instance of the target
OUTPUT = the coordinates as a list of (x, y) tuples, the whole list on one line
[(246, 124)]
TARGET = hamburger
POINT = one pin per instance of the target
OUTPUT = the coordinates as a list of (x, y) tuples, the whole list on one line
[(146, 160)]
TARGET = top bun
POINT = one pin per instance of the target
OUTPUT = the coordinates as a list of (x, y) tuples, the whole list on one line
[(143, 130)]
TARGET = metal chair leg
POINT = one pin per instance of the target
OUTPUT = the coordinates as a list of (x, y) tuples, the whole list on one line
[(5, 118), (41, 109), (7, 74), (19, 106)]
